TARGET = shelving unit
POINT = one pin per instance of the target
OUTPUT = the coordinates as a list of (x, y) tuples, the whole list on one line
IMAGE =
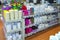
[(50, 21), (39, 20), (13, 29)]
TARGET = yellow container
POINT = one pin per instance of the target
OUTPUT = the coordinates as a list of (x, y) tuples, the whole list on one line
[(6, 15)]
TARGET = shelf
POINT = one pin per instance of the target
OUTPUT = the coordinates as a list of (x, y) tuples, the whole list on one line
[(51, 12), (29, 34), (14, 31), (39, 23), (28, 16), (45, 13), (53, 19), (53, 24), (13, 21), (35, 31), (30, 25)]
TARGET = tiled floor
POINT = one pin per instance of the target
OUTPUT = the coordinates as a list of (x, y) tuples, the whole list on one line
[(44, 35)]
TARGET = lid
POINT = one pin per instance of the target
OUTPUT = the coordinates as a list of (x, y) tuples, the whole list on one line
[(24, 7)]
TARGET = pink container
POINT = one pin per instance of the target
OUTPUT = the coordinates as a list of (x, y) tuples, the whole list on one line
[(26, 22), (25, 13), (28, 30)]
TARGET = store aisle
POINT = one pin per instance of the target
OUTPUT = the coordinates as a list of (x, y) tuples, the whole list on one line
[(44, 35)]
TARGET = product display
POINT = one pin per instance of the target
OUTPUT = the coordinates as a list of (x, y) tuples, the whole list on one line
[(22, 19), (43, 16), (15, 36), (12, 18)]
